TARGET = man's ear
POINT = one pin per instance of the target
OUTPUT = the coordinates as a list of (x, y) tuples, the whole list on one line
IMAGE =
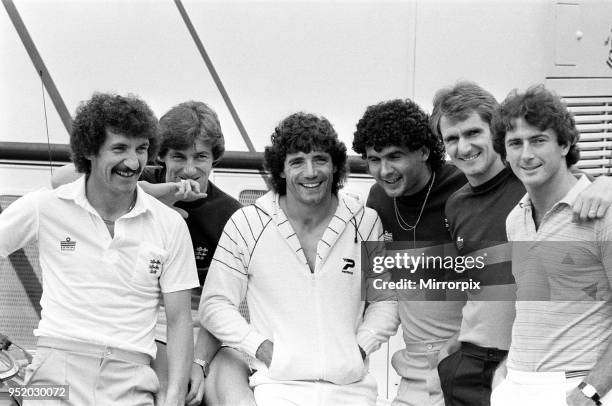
[(565, 149), (159, 161), (425, 152)]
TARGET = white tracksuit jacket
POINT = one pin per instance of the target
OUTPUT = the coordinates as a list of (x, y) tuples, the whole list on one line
[(315, 319)]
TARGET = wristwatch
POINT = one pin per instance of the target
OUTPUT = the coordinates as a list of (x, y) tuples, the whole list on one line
[(590, 392), (204, 364)]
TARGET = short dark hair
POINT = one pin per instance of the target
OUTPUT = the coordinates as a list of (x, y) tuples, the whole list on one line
[(397, 123), (540, 108), (187, 122), (458, 102), (126, 115), (304, 132)]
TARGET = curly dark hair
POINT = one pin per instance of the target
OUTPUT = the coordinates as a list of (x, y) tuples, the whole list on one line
[(126, 115), (304, 132), (398, 123), (183, 124), (540, 108)]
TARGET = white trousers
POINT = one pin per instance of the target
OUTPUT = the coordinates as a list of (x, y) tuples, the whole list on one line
[(537, 388), (316, 393)]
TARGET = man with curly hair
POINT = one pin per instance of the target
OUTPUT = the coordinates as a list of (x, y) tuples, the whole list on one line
[(412, 184), (108, 251), (295, 255), (561, 348), (191, 143)]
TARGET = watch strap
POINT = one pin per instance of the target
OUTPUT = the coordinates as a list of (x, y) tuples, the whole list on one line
[(204, 364), (590, 392)]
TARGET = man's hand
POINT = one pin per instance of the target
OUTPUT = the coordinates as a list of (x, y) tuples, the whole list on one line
[(196, 386), (186, 190), (264, 352), (451, 345), (594, 201), (499, 375), (577, 398)]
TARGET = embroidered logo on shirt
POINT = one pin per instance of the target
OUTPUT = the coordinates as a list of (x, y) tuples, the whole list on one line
[(348, 264), (201, 252), (67, 245), (459, 242), (387, 236), (568, 260), (155, 266)]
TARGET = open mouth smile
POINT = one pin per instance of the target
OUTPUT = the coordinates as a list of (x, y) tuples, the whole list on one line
[(392, 181), (530, 168), (311, 185), (470, 158), (125, 173)]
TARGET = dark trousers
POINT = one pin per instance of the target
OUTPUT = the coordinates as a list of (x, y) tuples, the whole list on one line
[(466, 375)]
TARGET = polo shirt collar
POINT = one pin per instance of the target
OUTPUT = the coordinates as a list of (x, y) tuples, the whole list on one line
[(568, 199), (76, 191), (572, 195)]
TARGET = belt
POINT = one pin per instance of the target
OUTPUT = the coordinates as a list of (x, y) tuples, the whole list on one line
[(425, 346), (483, 352), (100, 350)]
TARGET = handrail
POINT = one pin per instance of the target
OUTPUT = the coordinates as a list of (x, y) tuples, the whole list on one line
[(60, 153)]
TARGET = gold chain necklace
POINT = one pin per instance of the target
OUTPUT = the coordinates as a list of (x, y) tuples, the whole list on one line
[(400, 220)]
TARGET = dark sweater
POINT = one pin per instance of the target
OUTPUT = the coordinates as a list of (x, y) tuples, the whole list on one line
[(206, 220)]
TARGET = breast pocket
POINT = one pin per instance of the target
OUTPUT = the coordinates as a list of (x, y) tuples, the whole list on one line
[(148, 266)]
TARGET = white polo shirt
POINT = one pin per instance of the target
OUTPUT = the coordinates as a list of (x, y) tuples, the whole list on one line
[(97, 288)]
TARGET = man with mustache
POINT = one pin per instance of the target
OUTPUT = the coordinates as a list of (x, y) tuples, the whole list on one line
[(191, 143), (108, 251)]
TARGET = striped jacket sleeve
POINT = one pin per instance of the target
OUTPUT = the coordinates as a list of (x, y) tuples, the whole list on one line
[(381, 319), (226, 285)]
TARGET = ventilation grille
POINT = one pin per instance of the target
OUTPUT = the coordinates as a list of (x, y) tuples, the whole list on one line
[(594, 121)]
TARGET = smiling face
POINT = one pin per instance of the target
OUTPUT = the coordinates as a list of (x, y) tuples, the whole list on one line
[(118, 164), (309, 177), (469, 144), (398, 170), (194, 163), (535, 156)]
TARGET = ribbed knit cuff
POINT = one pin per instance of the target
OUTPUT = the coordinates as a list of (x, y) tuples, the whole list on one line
[(367, 340), (251, 343)]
